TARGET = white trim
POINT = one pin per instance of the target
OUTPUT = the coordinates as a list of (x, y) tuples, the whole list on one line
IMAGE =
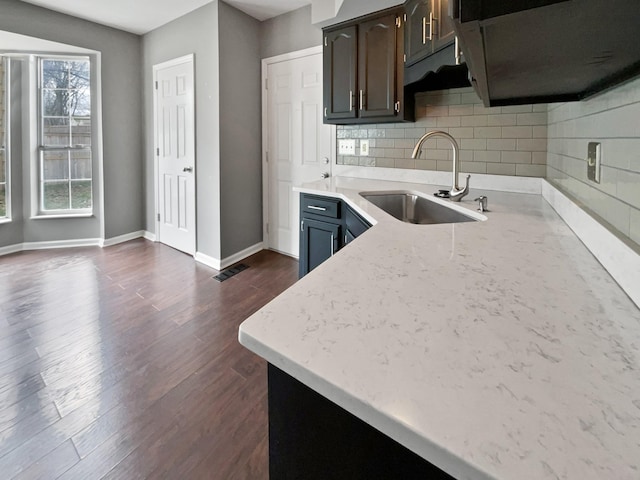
[(207, 260), (503, 183), (618, 258), (227, 262), (189, 58), (307, 52), (149, 236), (11, 249), (108, 242)]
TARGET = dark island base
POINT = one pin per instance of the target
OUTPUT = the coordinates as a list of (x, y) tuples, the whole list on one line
[(312, 438)]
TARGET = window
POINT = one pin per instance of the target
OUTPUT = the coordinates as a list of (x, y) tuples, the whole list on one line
[(65, 136), (5, 209)]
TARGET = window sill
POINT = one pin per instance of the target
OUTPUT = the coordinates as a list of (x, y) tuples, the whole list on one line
[(5, 220), (61, 215)]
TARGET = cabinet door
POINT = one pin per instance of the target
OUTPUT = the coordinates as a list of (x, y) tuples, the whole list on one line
[(444, 34), (318, 242), (377, 45), (418, 30), (340, 73)]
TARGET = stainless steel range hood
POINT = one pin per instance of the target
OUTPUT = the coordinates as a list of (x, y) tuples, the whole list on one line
[(538, 51)]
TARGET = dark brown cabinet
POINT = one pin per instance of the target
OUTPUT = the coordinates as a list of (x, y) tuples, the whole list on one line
[(340, 73), (363, 70), (429, 28)]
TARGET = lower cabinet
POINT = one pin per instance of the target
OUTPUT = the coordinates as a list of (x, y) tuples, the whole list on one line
[(326, 225), (312, 438)]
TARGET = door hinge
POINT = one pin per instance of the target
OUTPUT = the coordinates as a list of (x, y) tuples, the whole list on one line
[(398, 106), (156, 85), (398, 22), (266, 157), (158, 217), (267, 228), (325, 41), (158, 151), (266, 84)]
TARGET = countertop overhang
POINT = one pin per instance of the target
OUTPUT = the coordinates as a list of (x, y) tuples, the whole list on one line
[(495, 350)]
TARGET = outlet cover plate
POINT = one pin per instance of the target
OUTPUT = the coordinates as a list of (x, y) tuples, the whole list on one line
[(593, 161), (364, 148), (346, 147)]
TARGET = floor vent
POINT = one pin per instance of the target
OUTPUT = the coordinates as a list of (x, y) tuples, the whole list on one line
[(230, 272)]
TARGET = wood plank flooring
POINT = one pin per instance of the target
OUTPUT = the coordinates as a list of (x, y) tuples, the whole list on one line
[(123, 363)]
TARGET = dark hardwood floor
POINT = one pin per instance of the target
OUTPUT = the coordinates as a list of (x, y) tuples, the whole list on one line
[(124, 363)]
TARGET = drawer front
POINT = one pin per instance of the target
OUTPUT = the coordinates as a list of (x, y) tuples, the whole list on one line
[(327, 207)]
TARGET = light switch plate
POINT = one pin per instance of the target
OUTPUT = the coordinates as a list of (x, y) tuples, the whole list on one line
[(593, 161), (346, 147), (364, 148)]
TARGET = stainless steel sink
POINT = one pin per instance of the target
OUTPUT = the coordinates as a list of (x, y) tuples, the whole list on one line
[(412, 208)]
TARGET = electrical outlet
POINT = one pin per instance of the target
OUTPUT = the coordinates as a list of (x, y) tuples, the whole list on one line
[(364, 148), (594, 153), (346, 147)]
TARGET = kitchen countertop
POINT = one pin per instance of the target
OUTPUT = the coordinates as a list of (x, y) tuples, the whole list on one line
[(496, 350)]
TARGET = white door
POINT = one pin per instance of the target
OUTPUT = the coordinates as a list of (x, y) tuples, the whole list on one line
[(299, 146), (175, 143)]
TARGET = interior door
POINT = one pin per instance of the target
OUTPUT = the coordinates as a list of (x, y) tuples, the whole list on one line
[(175, 142), (299, 145)]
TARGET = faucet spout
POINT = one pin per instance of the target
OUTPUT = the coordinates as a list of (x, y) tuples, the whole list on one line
[(456, 193)]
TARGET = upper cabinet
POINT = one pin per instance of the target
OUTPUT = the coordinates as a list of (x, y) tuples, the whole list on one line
[(428, 28), (363, 71), (534, 51)]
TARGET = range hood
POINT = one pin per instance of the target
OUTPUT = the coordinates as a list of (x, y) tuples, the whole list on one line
[(539, 51)]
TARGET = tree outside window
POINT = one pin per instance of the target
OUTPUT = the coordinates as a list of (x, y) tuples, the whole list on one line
[(65, 151)]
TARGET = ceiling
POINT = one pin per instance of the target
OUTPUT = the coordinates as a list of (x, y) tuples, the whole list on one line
[(142, 16)]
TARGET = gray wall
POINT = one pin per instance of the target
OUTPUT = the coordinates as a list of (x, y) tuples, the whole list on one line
[(121, 114), (240, 131), (288, 33), (194, 33), (612, 119)]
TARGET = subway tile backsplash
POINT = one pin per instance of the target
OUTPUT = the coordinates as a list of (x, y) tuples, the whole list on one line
[(497, 140), (613, 120)]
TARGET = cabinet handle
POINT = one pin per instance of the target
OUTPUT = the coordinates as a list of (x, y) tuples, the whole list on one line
[(361, 99), (302, 226), (458, 53), (350, 100), (332, 241), (426, 37), (313, 207)]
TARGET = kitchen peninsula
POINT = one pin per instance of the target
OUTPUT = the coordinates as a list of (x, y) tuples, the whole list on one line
[(496, 349)]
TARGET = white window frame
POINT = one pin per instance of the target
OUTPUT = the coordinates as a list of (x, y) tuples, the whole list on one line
[(7, 140), (42, 147)]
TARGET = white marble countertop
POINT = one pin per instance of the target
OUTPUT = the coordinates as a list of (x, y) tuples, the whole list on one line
[(496, 350)]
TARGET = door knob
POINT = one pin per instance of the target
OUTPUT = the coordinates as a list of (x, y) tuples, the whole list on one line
[(325, 174), (187, 169)]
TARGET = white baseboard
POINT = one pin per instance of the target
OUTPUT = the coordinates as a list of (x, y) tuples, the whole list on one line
[(226, 262), (11, 249), (82, 242), (149, 236), (620, 260), (108, 242)]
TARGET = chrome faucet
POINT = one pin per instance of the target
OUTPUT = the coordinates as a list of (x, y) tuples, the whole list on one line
[(456, 194)]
